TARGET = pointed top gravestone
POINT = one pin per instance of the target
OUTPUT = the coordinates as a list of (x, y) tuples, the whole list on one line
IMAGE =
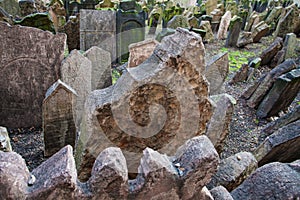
[(29, 62)]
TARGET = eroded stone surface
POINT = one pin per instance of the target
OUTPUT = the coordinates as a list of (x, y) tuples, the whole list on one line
[(225, 21), (4, 140), (220, 193), (28, 68)]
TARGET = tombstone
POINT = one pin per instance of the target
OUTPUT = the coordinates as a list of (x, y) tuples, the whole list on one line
[(244, 39), (130, 28), (218, 127), (58, 121), (73, 8), (10, 6), (232, 7), (225, 21), (209, 36), (268, 54), (289, 22), (76, 71), (260, 30), (241, 74), (216, 72), (58, 14), (37, 20), (28, 68), (193, 22), (290, 43), (101, 68), (253, 17), (266, 83), (153, 21), (210, 5), (119, 115), (282, 94), (27, 7), (98, 28), (234, 31), (233, 170), (71, 28), (4, 140), (141, 51), (274, 15), (178, 21)]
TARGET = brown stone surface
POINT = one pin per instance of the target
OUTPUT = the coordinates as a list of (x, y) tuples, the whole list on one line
[(58, 121), (71, 28), (13, 176), (29, 61), (225, 21), (159, 104), (141, 51), (260, 30), (268, 54)]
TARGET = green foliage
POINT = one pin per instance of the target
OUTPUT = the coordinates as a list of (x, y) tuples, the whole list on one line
[(115, 75), (237, 58)]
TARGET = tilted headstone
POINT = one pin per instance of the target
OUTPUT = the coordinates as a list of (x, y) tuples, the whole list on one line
[(76, 71), (101, 67), (225, 21), (218, 127), (58, 120), (234, 31), (290, 43), (121, 115), (4, 140), (268, 54), (281, 146), (216, 72), (28, 68), (260, 30), (141, 51), (244, 39), (98, 28), (281, 95), (266, 182)]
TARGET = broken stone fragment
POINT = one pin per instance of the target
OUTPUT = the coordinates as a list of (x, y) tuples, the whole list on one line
[(268, 54), (268, 181), (234, 170), (244, 39), (4, 140), (260, 30), (281, 146)]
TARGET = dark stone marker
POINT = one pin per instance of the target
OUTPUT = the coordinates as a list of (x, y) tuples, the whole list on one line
[(29, 61), (268, 54), (282, 94), (234, 31)]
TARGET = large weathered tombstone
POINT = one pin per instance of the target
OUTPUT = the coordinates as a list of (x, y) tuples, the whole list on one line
[(233, 170), (130, 28), (38, 20), (234, 31), (216, 72), (76, 71), (28, 68), (121, 115), (268, 54), (4, 140), (225, 21), (101, 67), (281, 146), (218, 127), (98, 28), (281, 95), (268, 181), (141, 51), (260, 30), (58, 120)]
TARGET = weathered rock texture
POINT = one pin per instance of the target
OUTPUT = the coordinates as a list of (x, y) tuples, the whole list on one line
[(76, 71), (281, 146), (58, 120), (216, 72), (268, 54), (141, 51), (122, 115), (225, 21), (29, 61), (220, 193), (218, 127), (272, 181), (158, 176), (4, 140), (101, 67), (234, 170)]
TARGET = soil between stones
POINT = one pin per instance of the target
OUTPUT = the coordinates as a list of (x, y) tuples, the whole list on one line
[(245, 129)]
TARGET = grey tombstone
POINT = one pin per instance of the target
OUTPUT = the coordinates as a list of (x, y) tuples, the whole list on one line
[(58, 120), (290, 43), (101, 67), (28, 68), (281, 95), (234, 31), (225, 21), (216, 72), (76, 71), (98, 28)]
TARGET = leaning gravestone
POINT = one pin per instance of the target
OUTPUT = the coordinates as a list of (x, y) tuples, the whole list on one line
[(225, 21), (76, 71), (98, 28), (147, 107), (234, 31), (101, 69), (58, 120), (29, 61)]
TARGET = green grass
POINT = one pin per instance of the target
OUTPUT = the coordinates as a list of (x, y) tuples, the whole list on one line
[(115, 75)]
